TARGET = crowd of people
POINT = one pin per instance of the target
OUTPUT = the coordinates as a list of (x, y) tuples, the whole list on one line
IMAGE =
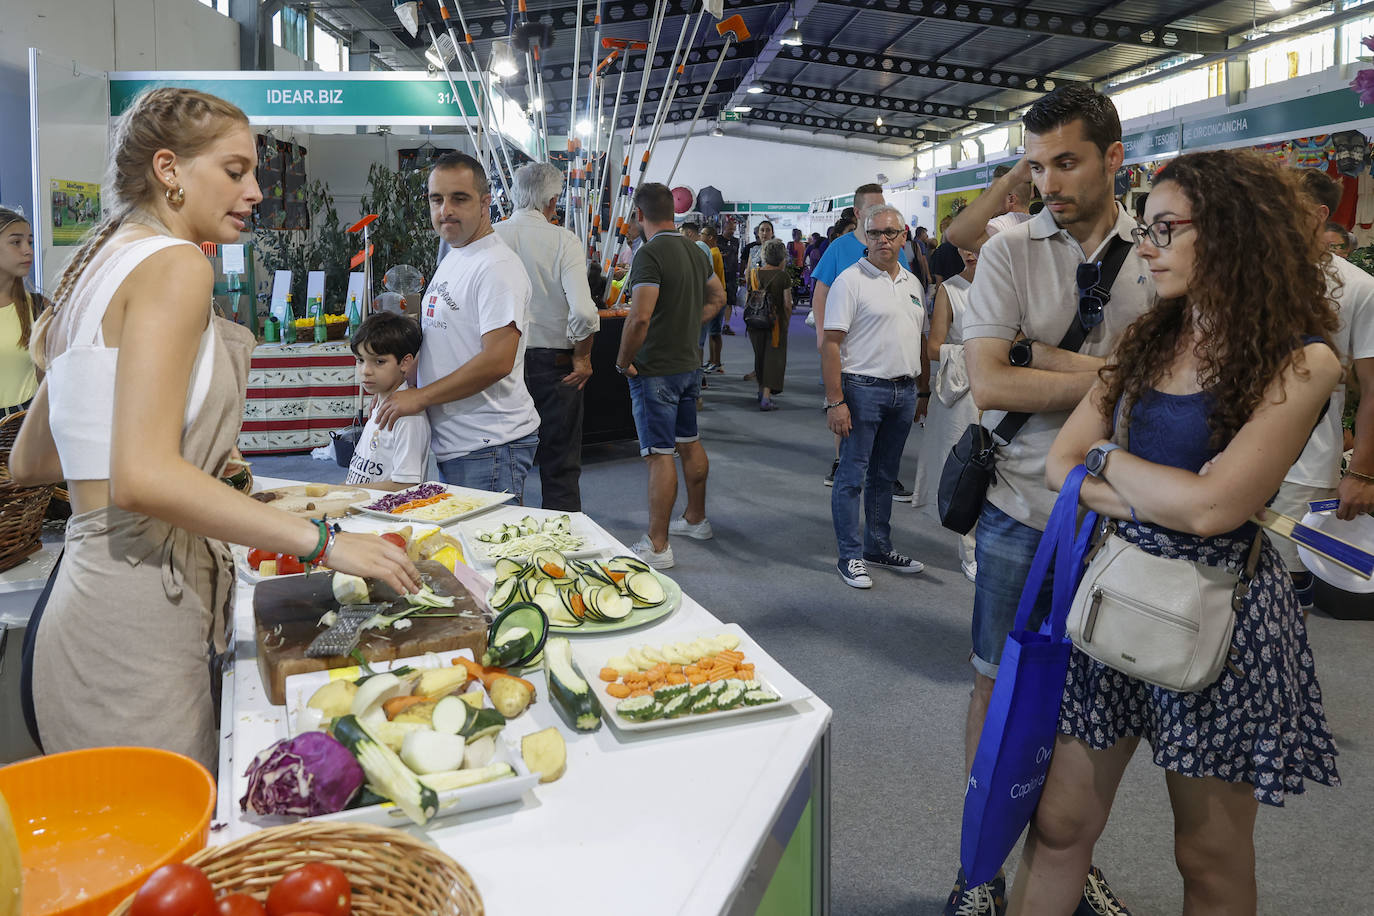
[(1216, 326)]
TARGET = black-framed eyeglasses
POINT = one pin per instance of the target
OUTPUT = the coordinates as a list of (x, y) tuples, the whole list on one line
[(1160, 232), (1092, 302), (890, 234)]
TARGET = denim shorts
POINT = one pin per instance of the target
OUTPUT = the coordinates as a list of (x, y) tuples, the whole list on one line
[(1004, 553), (665, 410), (713, 328)]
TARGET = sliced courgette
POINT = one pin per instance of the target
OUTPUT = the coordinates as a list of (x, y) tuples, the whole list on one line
[(504, 593), (385, 771), (484, 722), (568, 690), (505, 568), (645, 589), (516, 636)]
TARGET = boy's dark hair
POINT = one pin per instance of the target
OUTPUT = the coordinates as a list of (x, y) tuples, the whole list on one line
[(656, 200), (388, 334), (1076, 102), (1321, 187), (1140, 201), (691, 226)]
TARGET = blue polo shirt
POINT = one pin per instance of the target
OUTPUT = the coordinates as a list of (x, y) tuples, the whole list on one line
[(842, 254)]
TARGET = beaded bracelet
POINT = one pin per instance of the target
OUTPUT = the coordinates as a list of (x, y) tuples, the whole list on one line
[(321, 546)]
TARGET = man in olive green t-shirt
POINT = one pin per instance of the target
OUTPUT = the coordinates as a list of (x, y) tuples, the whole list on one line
[(674, 291)]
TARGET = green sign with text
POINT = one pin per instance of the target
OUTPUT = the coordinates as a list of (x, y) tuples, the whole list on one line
[(278, 97)]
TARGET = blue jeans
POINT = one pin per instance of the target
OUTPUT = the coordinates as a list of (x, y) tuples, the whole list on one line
[(498, 468), (665, 410), (880, 411), (1004, 553)]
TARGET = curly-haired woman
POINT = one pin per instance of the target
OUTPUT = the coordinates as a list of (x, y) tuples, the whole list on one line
[(1223, 380)]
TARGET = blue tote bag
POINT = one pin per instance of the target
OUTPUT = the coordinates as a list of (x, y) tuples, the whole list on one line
[(1023, 716)]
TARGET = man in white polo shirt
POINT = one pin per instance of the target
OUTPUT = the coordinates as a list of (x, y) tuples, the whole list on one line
[(870, 360), (471, 370)]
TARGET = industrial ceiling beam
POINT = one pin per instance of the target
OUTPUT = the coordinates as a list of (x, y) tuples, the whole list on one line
[(925, 109), (1068, 25), (684, 91), (898, 65), (847, 126), (745, 50), (613, 13)]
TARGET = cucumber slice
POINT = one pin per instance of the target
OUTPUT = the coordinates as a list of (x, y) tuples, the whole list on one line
[(729, 698), (637, 709), (645, 589)]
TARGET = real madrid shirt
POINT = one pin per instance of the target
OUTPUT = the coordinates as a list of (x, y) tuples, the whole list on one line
[(476, 289), (398, 454)]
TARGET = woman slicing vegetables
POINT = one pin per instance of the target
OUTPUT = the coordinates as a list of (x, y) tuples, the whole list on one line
[(139, 411)]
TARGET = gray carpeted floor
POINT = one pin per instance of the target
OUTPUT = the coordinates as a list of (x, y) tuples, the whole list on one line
[(892, 662)]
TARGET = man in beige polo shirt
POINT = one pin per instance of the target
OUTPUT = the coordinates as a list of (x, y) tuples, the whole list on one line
[(1022, 302)]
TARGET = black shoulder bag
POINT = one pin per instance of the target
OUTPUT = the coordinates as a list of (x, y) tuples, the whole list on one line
[(971, 464)]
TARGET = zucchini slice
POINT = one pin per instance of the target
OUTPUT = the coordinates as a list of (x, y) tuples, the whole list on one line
[(505, 568), (516, 636), (504, 593), (645, 589), (571, 695), (385, 771)]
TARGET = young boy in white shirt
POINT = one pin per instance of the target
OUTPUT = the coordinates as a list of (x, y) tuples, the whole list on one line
[(386, 345)]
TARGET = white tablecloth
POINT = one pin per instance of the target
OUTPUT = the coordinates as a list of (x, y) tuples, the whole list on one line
[(660, 822)]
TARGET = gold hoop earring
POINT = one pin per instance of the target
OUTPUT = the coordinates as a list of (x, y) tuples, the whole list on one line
[(175, 197)]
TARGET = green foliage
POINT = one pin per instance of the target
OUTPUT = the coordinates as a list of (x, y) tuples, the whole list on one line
[(325, 246), (402, 233)]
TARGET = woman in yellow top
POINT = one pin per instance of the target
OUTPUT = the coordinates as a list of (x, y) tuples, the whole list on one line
[(18, 308)]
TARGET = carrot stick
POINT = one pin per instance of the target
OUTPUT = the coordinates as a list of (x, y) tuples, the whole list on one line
[(489, 676), (396, 705)]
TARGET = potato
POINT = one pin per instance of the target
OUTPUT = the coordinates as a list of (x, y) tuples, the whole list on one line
[(545, 753), (439, 682), (334, 699), (510, 696)]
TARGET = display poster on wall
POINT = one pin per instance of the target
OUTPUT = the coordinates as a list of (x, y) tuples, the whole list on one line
[(950, 204), (75, 209)]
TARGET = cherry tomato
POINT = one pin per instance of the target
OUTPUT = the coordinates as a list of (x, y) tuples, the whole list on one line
[(314, 888), (240, 905), (395, 538), (255, 557), (175, 890), (289, 565)]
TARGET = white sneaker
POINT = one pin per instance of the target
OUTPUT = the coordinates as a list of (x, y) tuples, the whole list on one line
[(970, 569), (701, 530), (658, 559)]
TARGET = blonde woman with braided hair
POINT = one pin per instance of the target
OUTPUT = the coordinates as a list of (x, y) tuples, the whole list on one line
[(139, 412)]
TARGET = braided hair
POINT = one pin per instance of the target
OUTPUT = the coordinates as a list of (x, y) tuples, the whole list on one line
[(185, 121)]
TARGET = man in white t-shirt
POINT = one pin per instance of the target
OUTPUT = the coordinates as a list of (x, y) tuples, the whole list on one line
[(386, 345), (471, 373), (870, 359), (1317, 473)]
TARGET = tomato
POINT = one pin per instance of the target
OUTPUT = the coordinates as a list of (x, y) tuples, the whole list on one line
[(289, 565), (314, 888), (395, 538), (240, 905), (255, 557), (175, 890)]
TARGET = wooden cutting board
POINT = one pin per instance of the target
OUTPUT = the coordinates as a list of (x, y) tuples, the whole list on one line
[(313, 500), (287, 613)]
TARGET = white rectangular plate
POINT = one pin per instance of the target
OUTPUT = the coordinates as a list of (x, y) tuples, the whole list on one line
[(478, 552), (300, 687), (591, 658), (486, 500)]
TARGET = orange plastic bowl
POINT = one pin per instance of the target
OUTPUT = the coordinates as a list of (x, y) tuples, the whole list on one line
[(94, 824)]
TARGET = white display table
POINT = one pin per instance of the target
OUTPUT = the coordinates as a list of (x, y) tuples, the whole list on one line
[(686, 820)]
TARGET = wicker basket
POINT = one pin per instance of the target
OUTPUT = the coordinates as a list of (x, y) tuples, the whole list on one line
[(22, 509), (392, 873)]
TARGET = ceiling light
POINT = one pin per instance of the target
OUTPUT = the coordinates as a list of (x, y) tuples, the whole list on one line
[(1281, 5), (878, 123), (536, 104), (793, 36), (503, 60), (754, 89), (743, 109), (718, 132), (408, 11), (583, 128)]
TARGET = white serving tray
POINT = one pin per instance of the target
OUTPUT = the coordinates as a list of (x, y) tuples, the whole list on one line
[(592, 658), (477, 552), (486, 498)]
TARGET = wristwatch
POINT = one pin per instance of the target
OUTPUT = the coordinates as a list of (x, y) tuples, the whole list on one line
[(623, 370), (1020, 354), (1096, 459)]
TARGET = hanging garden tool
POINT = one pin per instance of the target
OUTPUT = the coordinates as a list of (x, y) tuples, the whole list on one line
[(734, 30)]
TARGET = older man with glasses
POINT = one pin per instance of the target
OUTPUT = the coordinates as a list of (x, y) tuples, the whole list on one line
[(870, 360), (562, 323)]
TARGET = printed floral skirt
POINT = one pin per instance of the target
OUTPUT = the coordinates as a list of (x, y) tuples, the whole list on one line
[(1261, 722)]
